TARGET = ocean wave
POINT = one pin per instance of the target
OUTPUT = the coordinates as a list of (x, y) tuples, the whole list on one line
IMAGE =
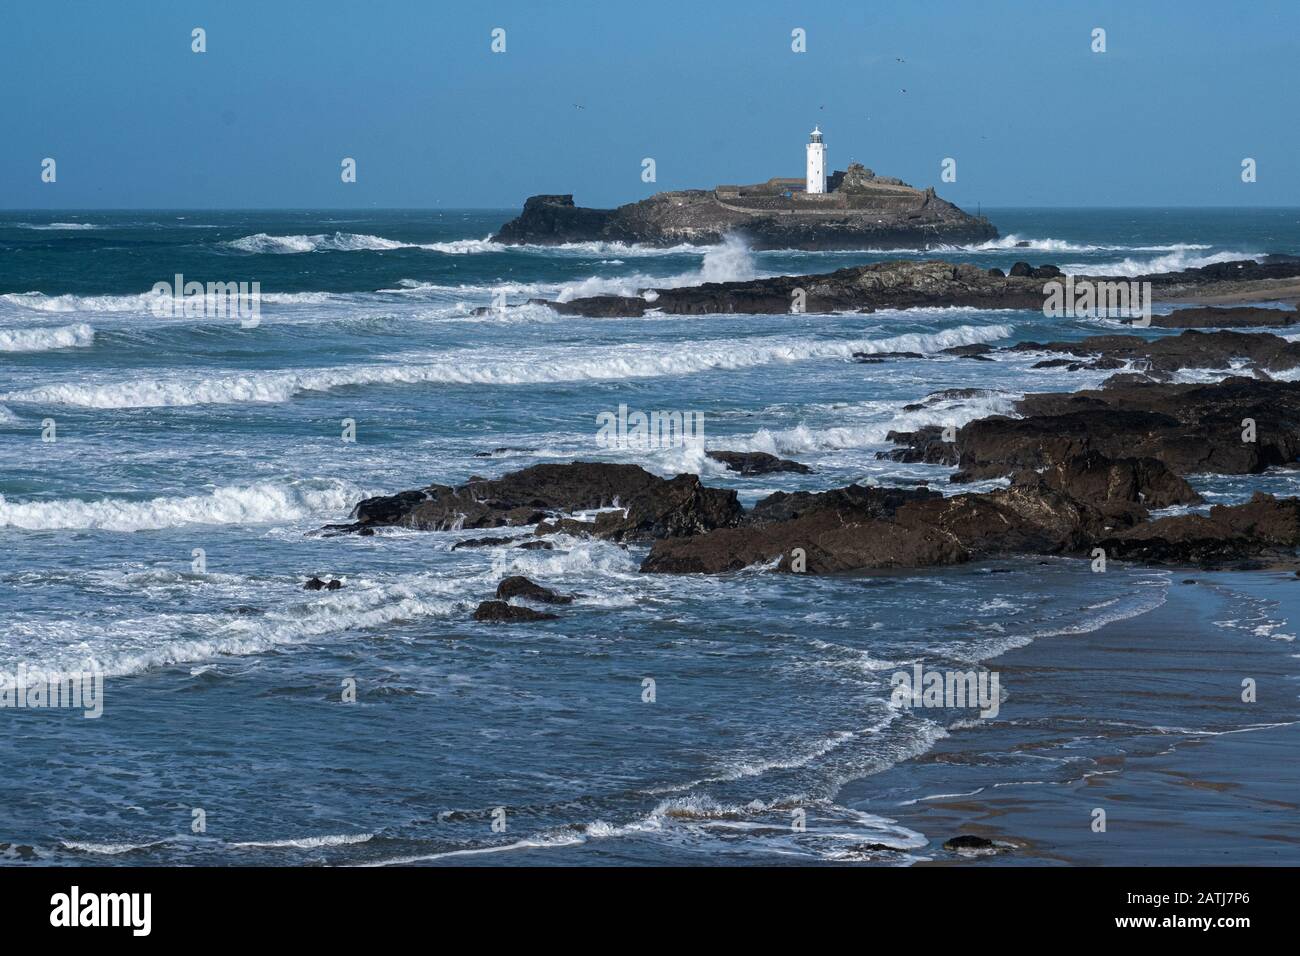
[(730, 261), (308, 843), (128, 646), (338, 242), (954, 412), (266, 501), (517, 368), (1171, 262), (144, 302), (1013, 242), (44, 340), (108, 849), (58, 226), (40, 302)]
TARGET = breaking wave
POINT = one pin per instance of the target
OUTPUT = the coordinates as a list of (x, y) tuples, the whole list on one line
[(539, 366), (58, 226), (1013, 242), (266, 501), (43, 340), (1171, 262)]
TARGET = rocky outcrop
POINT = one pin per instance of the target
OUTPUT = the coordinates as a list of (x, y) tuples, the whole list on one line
[(1215, 317), (1190, 429), (757, 463), (920, 529), (647, 506), (316, 584), (518, 586), (1085, 471), (865, 212), (1262, 532), (906, 284), (894, 285), (1030, 517), (1158, 358), (499, 612)]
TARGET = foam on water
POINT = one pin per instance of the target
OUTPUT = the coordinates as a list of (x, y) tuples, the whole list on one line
[(536, 366), (45, 339), (266, 501)]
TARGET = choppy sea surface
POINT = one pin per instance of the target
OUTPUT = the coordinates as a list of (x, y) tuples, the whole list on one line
[(224, 680)]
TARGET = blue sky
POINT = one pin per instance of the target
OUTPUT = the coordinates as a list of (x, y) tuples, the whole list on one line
[(586, 90)]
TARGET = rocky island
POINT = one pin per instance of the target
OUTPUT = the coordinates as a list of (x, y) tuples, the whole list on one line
[(851, 209)]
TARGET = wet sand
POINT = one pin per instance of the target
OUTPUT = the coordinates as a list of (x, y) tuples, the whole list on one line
[(1185, 771)]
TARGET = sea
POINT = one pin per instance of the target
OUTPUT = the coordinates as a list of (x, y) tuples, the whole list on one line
[(163, 477)]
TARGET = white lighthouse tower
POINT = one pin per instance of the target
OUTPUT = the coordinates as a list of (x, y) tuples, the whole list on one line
[(816, 162)]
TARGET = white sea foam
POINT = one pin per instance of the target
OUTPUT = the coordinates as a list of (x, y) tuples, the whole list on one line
[(125, 646), (265, 501), (46, 339), (58, 226), (955, 412), (1013, 242), (308, 843), (108, 849), (142, 302), (338, 242), (731, 261), (522, 366), (1170, 262)]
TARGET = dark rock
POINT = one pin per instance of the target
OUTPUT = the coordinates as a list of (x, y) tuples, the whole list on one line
[(1191, 429), (1264, 527), (873, 357), (856, 529), (968, 841), (519, 586), (977, 351), (1121, 488), (536, 546), (501, 612), (757, 462), (907, 284), (651, 506), (482, 543), (1236, 317), (314, 584), (997, 273), (1191, 349)]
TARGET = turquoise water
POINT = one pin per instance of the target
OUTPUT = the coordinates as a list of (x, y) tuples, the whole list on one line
[(223, 683)]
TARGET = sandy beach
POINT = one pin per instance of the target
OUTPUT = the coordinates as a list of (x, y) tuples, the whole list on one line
[(1219, 788)]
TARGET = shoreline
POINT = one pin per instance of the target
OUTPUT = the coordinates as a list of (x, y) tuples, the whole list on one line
[(1193, 795)]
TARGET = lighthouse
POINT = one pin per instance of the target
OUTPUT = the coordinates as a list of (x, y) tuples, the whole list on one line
[(816, 162)]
